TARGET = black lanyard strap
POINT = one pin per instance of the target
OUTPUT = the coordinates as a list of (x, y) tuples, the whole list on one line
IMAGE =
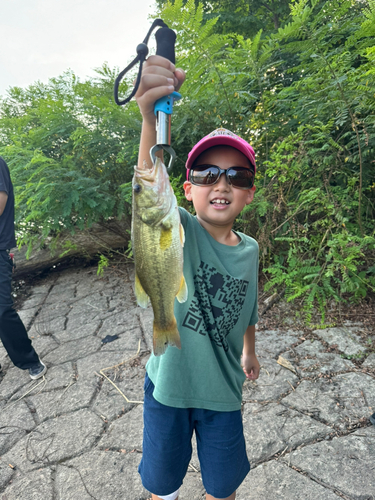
[(165, 39)]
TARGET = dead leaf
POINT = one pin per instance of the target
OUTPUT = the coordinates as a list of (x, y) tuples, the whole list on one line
[(286, 364)]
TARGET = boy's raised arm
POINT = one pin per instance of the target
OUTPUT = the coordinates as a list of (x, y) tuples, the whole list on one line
[(159, 78)]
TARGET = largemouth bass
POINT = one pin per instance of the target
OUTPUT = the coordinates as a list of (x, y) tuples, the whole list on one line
[(157, 242)]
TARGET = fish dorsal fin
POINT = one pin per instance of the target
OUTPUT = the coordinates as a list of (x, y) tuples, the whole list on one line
[(183, 291), (141, 296)]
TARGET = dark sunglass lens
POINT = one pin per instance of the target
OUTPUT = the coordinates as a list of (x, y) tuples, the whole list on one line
[(204, 175), (241, 177)]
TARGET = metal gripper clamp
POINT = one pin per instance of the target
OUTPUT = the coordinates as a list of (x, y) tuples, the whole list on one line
[(163, 111)]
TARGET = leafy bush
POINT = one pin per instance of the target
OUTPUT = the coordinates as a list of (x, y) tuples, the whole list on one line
[(303, 94)]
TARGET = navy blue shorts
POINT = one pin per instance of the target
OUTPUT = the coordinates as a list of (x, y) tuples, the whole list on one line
[(167, 448)]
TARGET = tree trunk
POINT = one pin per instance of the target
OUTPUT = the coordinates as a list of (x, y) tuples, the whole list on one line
[(108, 236)]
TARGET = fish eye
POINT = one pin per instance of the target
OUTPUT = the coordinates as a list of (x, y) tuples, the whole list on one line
[(137, 188)]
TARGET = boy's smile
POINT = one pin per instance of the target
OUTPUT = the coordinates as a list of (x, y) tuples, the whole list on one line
[(217, 205)]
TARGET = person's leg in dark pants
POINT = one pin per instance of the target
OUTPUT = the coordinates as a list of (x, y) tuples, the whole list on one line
[(13, 333)]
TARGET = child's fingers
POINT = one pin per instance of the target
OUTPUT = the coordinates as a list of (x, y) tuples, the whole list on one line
[(152, 81), (180, 75), (161, 62), (252, 374)]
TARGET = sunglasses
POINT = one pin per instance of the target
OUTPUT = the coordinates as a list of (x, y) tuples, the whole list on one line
[(207, 175)]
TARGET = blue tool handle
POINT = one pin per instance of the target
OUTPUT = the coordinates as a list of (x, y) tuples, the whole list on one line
[(165, 104)]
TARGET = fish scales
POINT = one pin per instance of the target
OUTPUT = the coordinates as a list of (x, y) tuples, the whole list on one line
[(157, 239)]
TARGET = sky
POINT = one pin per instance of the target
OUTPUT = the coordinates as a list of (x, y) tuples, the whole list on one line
[(41, 39)]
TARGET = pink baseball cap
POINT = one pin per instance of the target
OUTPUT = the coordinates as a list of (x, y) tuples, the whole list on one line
[(220, 137)]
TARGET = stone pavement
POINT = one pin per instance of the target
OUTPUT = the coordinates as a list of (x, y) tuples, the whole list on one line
[(74, 436)]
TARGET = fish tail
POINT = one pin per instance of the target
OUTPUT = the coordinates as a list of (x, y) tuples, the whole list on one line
[(165, 336)]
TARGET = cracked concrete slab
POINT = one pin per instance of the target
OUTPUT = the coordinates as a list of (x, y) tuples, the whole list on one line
[(274, 381), (56, 440), (73, 333), (271, 343), (125, 432), (277, 481), (370, 361), (15, 422), (345, 464), (32, 486), (111, 404), (6, 473), (311, 358), (345, 338), (91, 476), (341, 401), (73, 350), (286, 429), (72, 435), (86, 367), (75, 396)]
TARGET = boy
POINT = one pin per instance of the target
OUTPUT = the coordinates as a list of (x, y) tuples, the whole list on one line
[(199, 388)]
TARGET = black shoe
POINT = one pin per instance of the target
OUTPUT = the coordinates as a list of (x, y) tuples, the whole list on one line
[(37, 370), (372, 419)]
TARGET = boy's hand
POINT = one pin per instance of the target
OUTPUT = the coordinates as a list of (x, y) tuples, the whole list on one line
[(250, 366), (159, 78)]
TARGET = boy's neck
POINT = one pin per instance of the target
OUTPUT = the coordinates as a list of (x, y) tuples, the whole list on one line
[(222, 234)]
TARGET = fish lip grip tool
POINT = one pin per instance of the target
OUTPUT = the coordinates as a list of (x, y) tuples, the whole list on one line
[(163, 110), (165, 42)]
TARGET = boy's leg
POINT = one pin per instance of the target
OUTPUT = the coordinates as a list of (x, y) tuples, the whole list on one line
[(167, 448), (168, 497), (222, 452), (231, 497)]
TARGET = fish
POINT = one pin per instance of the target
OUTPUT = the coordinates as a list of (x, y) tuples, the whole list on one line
[(157, 244)]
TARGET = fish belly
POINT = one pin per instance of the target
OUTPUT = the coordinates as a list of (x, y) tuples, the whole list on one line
[(159, 269)]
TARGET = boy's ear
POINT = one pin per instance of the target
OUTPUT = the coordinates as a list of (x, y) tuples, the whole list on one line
[(187, 189), (250, 195)]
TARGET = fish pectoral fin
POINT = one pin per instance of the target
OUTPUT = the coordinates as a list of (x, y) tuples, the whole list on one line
[(141, 296), (165, 238), (182, 235), (182, 294)]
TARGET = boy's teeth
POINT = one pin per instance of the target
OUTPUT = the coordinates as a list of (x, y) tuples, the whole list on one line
[(220, 201)]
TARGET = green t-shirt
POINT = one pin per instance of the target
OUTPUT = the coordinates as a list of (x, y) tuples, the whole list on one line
[(222, 283)]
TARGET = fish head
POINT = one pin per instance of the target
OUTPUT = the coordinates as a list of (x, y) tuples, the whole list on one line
[(153, 195)]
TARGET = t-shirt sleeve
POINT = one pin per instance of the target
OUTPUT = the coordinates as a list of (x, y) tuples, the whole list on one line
[(4, 177), (184, 216)]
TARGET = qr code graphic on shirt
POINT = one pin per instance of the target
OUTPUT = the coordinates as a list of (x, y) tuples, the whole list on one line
[(216, 305)]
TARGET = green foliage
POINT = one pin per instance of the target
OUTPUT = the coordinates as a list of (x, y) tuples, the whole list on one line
[(69, 148), (299, 86), (102, 265), (244, 17)]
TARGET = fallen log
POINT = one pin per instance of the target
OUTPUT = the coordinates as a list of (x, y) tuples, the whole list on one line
[(112, 235)]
